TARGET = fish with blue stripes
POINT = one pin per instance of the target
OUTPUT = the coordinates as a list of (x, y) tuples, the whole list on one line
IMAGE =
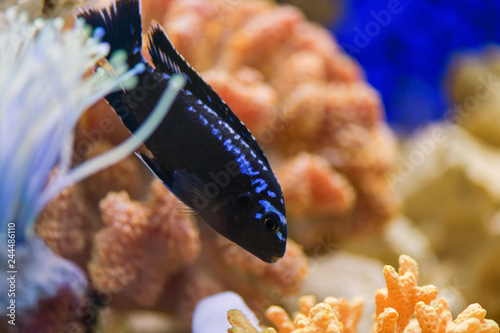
[(201, 151)]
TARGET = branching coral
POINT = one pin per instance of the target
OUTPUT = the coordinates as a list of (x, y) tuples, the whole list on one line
[(438, 319), (332, 315), (128, 175), (402, 293), (396, 304), (246, 88), (240, 324), (126, 255), (313, 318), (402, 299)]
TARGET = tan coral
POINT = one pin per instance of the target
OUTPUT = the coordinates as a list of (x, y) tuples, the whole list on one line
[(240, 323), (312, 37), (298, 69), (193, 29), (303, 113), (402, 292), (137, 251), (190, 286), (473, 87), (457, 182)]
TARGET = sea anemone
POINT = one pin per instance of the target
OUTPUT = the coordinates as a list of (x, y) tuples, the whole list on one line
[(45, 86), (44, 91)]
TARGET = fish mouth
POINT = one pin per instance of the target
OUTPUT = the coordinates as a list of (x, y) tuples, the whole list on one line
[(271, 258)]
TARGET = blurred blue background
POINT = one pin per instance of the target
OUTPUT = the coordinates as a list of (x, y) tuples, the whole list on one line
[(405, 46)]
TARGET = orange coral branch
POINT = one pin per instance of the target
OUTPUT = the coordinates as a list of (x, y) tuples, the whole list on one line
[(438, 319), (280, 319), (318, 318), (339, 315), (386, 321), (402, 292)]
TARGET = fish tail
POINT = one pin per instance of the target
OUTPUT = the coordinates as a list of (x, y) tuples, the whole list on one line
[(121, 21)]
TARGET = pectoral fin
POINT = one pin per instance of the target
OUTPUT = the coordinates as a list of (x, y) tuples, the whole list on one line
[(191, 190)]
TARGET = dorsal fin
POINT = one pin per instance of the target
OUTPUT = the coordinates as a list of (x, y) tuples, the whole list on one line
[(121, 21), (167, 60)]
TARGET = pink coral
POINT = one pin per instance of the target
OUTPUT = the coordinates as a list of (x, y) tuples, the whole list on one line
[(66, 239), (313, 187), (126, 251), (128, 175), (246, 94)]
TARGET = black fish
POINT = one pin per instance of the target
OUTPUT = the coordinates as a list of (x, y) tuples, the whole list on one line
[(201, 151)]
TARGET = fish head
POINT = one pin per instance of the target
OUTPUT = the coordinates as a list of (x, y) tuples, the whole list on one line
[(255, 220), (258, 224)]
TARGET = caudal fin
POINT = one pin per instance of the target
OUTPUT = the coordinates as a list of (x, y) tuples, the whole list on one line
[(121, 21)]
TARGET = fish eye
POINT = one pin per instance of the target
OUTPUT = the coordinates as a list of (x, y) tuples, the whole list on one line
[(270, 221)]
